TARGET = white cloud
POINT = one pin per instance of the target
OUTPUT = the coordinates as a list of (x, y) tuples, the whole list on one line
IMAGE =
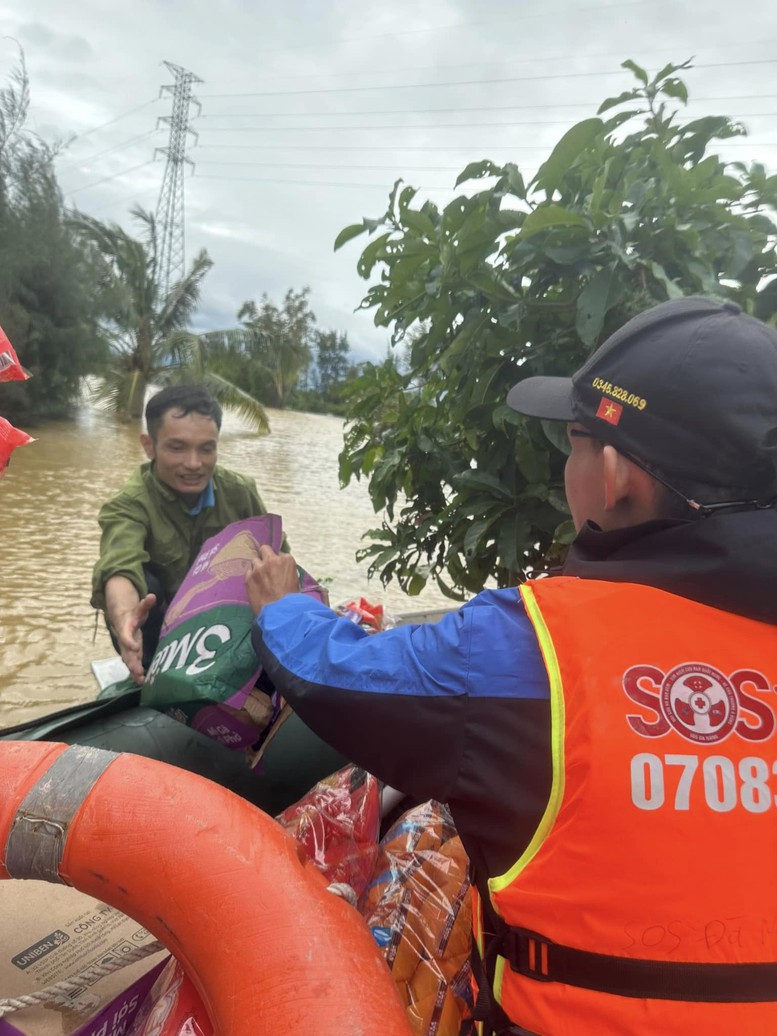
[(311, 110)]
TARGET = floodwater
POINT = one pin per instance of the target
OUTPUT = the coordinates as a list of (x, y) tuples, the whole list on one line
[(49, 500)]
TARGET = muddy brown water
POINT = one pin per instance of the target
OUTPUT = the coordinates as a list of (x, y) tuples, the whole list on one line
[(49, 501)]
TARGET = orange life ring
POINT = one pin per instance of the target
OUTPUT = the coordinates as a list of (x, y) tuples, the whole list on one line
[(268, 949)]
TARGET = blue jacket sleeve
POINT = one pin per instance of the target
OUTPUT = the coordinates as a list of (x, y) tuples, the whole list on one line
[(399, 703)]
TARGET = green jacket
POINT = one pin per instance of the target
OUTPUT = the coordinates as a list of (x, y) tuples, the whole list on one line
[(146, 522)]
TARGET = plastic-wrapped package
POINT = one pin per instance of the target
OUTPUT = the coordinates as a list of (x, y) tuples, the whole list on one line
[(338, 823), (413, 892), (419, 910), (368, 616), (10, 438), (10, 368), (172, 1008)]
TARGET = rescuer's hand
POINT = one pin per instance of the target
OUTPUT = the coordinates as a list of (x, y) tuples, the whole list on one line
[(271, 577)]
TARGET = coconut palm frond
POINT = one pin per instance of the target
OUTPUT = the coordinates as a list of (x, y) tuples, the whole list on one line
[(246, 407), (230, 339), (186, 352), (248, 312), (120, 390), (148, 220), (183, 297), (146, 328)]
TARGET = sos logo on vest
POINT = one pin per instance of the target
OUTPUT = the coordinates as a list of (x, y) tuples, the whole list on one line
[(699, 702)]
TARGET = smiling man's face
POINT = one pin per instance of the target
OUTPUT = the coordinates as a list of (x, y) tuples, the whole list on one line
[(185, 449)]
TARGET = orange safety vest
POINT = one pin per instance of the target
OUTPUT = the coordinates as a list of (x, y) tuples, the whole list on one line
[(646, 902)]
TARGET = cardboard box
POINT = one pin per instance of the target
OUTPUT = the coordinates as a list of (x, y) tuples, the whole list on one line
[(49, 933)]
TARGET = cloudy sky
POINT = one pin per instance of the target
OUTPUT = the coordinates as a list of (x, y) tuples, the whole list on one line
[(310, 109)]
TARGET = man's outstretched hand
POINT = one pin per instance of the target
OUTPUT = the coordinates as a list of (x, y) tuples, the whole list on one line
[(127, 627), (271, 577)]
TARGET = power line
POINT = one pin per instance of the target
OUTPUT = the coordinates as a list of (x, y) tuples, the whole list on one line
[(331, 165), (418, 147), (120, 201), (370, 147), (454, 108), (396, 125), (416, 125), (110, 122), (320, 165), (472, 82), (414, 86), (105, 179), (315, 183), (106, 151), (404, 69)]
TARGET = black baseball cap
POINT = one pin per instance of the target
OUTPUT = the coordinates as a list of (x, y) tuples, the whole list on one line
[(689, 386)]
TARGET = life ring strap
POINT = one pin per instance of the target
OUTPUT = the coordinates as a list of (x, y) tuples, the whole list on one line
[(220, 883), (39, 830)]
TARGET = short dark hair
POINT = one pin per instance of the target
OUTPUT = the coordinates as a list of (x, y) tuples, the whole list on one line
[(674, 503), (185, 399)]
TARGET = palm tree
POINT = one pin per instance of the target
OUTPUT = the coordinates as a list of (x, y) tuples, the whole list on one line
[(146, 324), (279, 340)]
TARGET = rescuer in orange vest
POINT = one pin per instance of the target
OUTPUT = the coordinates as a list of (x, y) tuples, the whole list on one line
[(606, 739)]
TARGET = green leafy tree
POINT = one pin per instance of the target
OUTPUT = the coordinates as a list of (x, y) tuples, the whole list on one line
[(527, 278), (332, 365), (270, 352), (321, 384), (278, 341), (146, 325), (48, 306)]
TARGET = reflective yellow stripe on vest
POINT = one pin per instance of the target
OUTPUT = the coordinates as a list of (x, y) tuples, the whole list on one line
[(659, 840)]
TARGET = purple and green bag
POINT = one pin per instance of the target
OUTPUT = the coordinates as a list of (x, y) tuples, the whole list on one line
[(204, 670)]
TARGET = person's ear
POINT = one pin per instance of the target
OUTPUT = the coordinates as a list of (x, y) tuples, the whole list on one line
[(618, 478), (627, 488), (148, 445)]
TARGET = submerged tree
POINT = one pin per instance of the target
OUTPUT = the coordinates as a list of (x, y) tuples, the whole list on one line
[(278, 340), (146, 325), (279, 355), (332, 364), (522, 279), (48, 306)]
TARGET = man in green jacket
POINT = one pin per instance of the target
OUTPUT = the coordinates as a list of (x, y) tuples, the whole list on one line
[(152, 530)]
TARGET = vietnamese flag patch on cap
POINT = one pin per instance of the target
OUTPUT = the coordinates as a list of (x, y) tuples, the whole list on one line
[(609, 411)]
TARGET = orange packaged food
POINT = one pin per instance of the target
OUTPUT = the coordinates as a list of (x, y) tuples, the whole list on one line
[(418, 907)]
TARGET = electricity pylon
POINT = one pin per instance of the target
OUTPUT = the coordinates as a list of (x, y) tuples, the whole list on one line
[(170, 207)]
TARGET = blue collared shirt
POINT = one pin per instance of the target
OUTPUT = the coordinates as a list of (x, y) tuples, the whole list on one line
[(207, 499)]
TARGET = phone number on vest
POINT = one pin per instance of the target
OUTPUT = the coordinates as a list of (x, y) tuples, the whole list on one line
[(681, 781)]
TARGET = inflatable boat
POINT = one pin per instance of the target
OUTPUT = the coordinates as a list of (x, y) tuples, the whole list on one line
[(295, 758)]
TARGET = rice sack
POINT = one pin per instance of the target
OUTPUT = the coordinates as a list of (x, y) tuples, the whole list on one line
[(205, 671)]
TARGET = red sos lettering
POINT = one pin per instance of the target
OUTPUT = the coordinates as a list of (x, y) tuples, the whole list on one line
[(642, 684), (763, 724)]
